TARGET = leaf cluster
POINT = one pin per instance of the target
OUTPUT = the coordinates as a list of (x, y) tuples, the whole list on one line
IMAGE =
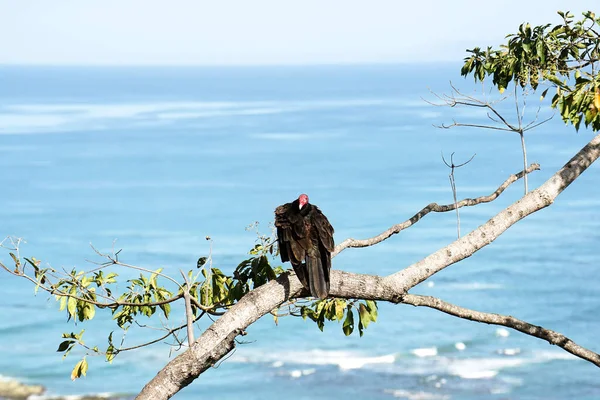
[(81, 293), (565, 56), (342, 310)]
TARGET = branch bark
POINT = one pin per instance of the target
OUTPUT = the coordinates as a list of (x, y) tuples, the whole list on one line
[(434, 207), (552, 337), (219, 338)]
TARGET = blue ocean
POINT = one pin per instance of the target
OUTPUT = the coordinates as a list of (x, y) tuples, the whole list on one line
[(152, 160)]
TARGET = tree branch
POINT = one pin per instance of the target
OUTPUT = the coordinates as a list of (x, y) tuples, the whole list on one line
[(534, 201), (189, 313), (219, 338), (433, 207), (550, 336)]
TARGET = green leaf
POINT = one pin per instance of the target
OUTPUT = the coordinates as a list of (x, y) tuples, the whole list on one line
[(372, 306), (166, 309), (80, 369), (16, 260), (89, 311), (63, 303), (340, 305), (65, 345), (544, 94), (201, 262), (554, 79), (110, 278), (72, 306), (348, 325), (110, 353), (364, 315)]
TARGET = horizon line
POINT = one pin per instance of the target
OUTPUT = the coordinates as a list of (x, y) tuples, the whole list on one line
[(224, 65)]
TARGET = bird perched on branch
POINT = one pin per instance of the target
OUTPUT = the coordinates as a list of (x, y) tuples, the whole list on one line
[(305, 239)]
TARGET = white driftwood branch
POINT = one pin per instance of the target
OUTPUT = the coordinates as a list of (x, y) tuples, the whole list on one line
[(219, 338), (434, 207), (552, 337)]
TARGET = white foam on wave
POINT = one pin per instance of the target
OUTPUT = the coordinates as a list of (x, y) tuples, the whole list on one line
[(502, 332), (297, 373), (344, 360), (509, 352), (486, 368), (35, 118), (427, 362), (481, 368), (103, 395), (282, 136), (408, 395), (474, 286), (546, 355), (425, 352), (16, 123)]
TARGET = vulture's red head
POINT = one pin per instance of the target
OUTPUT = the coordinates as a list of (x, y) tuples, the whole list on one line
[(302, 200)]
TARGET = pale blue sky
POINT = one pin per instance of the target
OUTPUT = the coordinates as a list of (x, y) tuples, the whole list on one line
[(260, 31)]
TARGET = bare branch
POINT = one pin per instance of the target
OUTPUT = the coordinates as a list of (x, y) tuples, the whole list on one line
[(114, 304), (533, 125), (433, 207), (459, 124), (166, 335), (524, 152), (189, 313), (552, 337)]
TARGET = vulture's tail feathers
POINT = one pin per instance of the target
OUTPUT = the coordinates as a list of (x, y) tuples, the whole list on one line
[(317, 280), (300, 270)]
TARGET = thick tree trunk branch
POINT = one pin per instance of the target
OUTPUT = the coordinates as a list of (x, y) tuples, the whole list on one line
[(219, 338), (550, 336), (434, 207), (533, 201)]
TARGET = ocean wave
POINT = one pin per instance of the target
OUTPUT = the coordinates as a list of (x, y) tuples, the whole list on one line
[(502, 332), (296, 136), (93, 396), (36, 118), (481, 368), (473, 286), (298, 373), (291, 136), (113, 184), (418, 361), (420, 395), (509, 352), (425, 352), (344, 360)]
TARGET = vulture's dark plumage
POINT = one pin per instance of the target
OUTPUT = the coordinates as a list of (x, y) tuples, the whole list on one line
[(306, 240)]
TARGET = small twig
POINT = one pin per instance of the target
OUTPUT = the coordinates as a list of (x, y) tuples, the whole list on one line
[(524, 151), (189, 313), (453, 184), (114, 259)]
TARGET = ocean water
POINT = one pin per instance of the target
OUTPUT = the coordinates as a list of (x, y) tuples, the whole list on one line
[(159, 158)]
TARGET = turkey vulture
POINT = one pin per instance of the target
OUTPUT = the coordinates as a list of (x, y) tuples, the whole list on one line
[(306, 240)]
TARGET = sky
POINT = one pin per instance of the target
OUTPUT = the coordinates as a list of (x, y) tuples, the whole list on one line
[(261, 32)]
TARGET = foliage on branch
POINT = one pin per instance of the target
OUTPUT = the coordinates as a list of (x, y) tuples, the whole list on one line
[(336, 309), (566, 56), (80, 293)]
